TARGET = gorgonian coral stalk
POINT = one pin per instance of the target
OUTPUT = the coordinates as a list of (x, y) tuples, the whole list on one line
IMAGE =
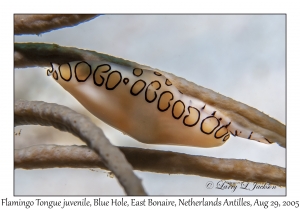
[(65, 119), (37, 24), (49, 156)]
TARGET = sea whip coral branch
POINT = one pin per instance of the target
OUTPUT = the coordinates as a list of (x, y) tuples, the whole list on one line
[(39, 54), (37, 24), (65, 119), (49, 156)]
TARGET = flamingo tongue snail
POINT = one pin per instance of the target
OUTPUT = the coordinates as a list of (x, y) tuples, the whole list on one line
[(145, 105)]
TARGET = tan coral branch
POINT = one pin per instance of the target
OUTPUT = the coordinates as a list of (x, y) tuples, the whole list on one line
[(65, 119), (49, 156), (39, 54), (37, 24)]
